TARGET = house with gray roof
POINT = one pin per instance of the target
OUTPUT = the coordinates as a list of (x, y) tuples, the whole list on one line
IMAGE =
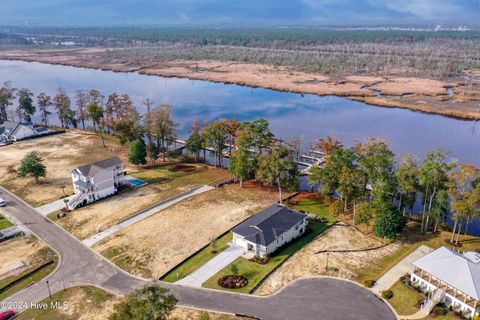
[(16, 131), (452, 276), (97, 180), (269, 230)]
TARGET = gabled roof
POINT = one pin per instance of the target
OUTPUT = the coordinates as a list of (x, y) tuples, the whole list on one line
[(10, 127), (461, 271), (266, 226), (90, 170)]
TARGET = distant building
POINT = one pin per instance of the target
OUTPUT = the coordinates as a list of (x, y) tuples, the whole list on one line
[(97, 180), (451, 276), (16, 131), (269, 229)]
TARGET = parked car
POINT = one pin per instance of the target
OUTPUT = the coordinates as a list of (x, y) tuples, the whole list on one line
[(7, 315), (3, 203)]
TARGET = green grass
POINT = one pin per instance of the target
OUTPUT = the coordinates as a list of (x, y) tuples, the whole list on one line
[(4, 223), (33, 278), (404, 299), (92, 298), (315, 206), (256, 272), (197, 260)]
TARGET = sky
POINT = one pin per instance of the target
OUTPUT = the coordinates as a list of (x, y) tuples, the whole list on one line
[(237, 12)]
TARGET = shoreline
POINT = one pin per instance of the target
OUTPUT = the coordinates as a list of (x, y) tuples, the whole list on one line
[(415, 94)]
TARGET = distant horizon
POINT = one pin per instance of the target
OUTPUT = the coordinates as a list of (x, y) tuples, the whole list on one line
[(263, 13)]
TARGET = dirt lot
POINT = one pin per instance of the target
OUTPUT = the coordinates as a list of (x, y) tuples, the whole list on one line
[(306, 263), (190, 314), (153, 246), (20, 250), (165, 183), (277, 78), (61, 153)]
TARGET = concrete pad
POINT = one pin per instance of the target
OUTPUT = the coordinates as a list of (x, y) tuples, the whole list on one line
[(400, 269), (209, 269)]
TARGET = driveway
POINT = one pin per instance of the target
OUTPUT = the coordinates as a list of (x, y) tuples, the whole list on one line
[(400, 269), (209, 269), (53, 206)]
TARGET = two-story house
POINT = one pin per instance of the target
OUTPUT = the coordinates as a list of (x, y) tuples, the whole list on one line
[(97, 180)]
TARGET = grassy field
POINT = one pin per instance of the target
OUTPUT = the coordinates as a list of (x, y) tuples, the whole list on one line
[(199, 259), (256, 272), (404, 299), (33, 278), (4, 223), (77, 303)]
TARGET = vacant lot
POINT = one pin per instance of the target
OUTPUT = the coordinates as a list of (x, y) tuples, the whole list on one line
[(190, 314), (20, 250), (155, 245), (82, 303), (61, 153), (307, 263), (164, 182)]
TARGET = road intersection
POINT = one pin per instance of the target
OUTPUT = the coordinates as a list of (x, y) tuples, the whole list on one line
[(315, 298)]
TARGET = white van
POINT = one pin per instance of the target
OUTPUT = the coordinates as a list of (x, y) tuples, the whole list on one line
[(2, 203)]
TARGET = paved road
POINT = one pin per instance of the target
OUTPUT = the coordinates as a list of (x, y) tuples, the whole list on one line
[(209, 269), (145, 214), (305, 299), (48, 208)]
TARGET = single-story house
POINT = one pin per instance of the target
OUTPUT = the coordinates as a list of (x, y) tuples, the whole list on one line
[(452, 276), (97, 180), (16, 131), (269, 229)]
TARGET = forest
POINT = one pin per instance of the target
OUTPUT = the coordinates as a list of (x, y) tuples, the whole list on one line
[(436, 54)]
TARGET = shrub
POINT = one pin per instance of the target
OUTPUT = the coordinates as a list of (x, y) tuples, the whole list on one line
[(440, 311), (369, 283), (387, 294)]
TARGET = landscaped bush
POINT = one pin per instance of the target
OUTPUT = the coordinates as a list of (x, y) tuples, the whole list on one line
[(440, 311), (369, 283), (387, 294), (261, 260)]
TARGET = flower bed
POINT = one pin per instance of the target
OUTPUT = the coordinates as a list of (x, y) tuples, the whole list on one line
[(232, 282)]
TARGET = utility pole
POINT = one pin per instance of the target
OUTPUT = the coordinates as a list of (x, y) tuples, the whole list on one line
[(49, 292), (63, 282)]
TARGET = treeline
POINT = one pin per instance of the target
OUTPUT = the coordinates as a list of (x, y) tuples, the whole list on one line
[(371, 184), (252, 37)]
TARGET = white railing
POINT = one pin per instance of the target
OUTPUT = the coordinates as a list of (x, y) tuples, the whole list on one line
[(76, 200)]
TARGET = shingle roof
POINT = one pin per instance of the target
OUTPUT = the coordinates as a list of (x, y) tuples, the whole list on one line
[(461, 271), (266, 226), (92, 169)]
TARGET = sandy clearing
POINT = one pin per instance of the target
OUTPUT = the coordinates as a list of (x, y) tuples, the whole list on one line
[(20, 250), (306, 263), (103, 214), (155, 245), (400, 86), (191, 314), (61, 153)]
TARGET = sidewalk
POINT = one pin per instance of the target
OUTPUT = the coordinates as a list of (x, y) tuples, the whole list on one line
[(145, 214), (400, 269)]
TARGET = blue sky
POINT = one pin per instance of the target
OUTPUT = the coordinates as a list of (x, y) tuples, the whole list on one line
[(238, 12)]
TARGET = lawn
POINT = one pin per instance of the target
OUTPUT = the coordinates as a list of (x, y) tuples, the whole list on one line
[(256, 272), (76, 303), (404, 299), (315, 206), (4, 223), (198, 259)]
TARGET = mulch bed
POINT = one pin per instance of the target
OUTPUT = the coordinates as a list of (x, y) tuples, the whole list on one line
[(303, 195), (232, 282), (452, 244), (182, 168)]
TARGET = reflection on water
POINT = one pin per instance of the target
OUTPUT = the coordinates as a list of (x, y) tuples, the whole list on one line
[(291, 115)]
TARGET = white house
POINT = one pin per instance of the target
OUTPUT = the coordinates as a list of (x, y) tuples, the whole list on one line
[(452, 276), (16, 131), (96, 181), (269, 229)]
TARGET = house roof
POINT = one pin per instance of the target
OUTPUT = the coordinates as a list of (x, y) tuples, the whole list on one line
[(84, 185), (10, 127), (461, 271), (92, 169), (266, 226)]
